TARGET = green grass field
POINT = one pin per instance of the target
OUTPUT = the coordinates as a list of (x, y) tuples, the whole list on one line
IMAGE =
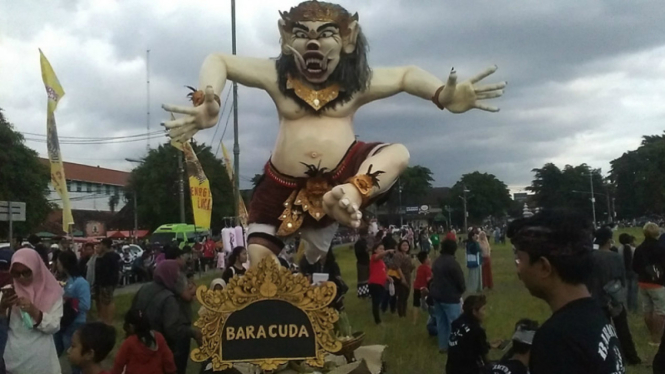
[(411, 350)]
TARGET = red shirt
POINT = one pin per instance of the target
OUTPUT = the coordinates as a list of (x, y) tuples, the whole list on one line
[(423, 274), (377, 271), (135, 358), (209, 249)]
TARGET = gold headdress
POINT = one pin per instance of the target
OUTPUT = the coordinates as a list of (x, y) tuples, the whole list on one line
[(318, 11)]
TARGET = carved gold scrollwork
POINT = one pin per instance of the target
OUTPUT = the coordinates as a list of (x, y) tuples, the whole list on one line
[(267, 281)]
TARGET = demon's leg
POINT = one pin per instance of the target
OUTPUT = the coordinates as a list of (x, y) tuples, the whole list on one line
[(344, 201)]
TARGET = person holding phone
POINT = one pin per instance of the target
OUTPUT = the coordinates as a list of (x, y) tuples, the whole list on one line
[(35, 310), (6, 290)]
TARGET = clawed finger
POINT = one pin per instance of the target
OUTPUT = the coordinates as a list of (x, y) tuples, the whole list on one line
[(338, 193), (491, 87), (178, 122), (350, 208), (179, 109), (187, 135), (489, 95), (484, 74), (345, 203), (487, 108)]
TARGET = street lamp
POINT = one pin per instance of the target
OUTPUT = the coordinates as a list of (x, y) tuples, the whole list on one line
[(466, 214), (450, 222), (593, 205), (399, 189), (135, 197)]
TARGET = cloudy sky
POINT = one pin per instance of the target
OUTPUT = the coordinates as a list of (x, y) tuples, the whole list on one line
[(586, 77)]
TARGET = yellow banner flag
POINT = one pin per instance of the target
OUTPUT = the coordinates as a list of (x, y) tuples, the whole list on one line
[(242, 209), (199, 185), (55, 92)]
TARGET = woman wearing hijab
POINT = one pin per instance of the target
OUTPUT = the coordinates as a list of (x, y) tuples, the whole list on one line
[(34, 310), (167, 303), (217, 284), (486, 250)]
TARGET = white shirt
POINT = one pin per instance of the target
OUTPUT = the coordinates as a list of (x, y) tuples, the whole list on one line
[(32, 351)]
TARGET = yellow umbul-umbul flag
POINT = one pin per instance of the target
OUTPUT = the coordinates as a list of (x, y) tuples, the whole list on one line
[(54, 93), (199, 185)]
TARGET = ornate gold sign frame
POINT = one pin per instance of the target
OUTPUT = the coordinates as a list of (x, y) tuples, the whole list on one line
[(268, 281)]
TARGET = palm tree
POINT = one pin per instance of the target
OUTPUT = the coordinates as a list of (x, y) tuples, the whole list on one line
[(113, 202)]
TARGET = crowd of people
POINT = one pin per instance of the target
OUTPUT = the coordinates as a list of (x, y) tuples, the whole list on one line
[(590, 284)]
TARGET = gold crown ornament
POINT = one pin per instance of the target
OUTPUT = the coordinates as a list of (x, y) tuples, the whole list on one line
[(318, 11)]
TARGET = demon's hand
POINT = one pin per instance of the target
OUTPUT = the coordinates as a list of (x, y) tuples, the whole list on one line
[(196, 118), (458, 98)]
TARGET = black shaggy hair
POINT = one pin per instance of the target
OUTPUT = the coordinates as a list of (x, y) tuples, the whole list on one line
[(353, 74)]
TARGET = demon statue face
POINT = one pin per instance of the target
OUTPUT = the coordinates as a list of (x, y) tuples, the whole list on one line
[(322, 47)]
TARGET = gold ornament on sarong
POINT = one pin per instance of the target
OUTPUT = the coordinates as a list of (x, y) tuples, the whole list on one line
[(305, 200), (315, 99)]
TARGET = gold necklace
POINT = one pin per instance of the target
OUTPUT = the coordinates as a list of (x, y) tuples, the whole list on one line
[(315, 99)]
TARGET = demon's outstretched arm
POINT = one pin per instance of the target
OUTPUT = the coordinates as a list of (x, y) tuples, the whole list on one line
[(457, 98), (216, 69)]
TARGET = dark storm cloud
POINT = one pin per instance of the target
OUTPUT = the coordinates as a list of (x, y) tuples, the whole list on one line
[(557, 56)]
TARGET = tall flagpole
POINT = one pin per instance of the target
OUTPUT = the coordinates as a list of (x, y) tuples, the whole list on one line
[(147, 105), (236, 145)]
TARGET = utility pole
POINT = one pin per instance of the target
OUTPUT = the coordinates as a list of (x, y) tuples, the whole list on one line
[(466, 214), (147, 105), (450, 222), (136, 218), (236, 144), (593, 198), (135, 198), (181, 187), (401, 218)]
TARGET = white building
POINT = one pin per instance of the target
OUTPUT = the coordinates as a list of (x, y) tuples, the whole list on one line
[(90, 187)]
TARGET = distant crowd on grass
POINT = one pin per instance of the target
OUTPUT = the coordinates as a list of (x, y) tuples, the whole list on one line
[(589, 282)]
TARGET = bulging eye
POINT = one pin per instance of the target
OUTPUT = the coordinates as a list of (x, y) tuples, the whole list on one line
[(326, 34), (300, 34)]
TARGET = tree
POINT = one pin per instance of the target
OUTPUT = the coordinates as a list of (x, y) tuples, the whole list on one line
[(570, 188), (487, 196), (22, 178), (639, 178), (415, 182), (255, 179), (156, 182), (114, 200)]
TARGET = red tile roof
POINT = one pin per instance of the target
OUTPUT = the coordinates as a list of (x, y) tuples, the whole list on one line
[(95, 174)]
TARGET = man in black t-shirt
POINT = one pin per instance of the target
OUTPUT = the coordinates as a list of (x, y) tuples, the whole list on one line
[(554, 261)]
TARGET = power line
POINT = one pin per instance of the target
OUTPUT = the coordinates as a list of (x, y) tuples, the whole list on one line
[(94, 142), (228, 94), (98, 138), (219, 144)]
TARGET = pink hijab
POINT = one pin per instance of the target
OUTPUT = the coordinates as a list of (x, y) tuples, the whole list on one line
[(45, 289)]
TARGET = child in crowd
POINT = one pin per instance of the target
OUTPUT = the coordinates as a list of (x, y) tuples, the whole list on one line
[(423, 276), (467, 346), (90, 346), (516, 361), (144, 351)]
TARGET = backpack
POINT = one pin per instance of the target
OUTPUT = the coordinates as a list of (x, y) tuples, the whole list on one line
[(70, 310), (615, 294)]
